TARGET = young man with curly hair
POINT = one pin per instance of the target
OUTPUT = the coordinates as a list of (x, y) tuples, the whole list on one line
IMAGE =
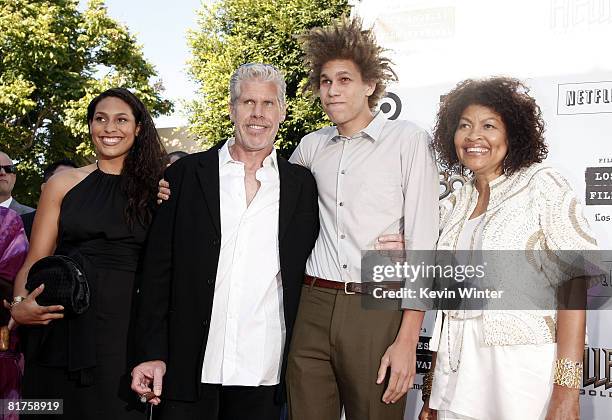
[(378, 189)]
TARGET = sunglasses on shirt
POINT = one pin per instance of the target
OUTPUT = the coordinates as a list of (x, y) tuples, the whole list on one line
[(9, 169)]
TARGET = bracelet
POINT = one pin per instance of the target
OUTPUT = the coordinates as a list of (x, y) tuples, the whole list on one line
[(16, 300), (568, 373), (427, 383)]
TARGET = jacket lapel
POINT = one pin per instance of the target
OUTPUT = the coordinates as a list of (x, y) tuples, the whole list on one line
[(289, 192), (208, 176)]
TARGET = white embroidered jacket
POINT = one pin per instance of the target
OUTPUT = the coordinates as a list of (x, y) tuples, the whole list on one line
[(532, 210)]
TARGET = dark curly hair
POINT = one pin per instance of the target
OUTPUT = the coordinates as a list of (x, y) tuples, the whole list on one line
[(519, 112), (346, 40), (145, 162)]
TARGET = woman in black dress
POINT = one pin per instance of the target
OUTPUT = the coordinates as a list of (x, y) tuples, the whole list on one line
[(102, 211)]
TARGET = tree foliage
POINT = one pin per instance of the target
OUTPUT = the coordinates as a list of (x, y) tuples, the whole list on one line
[(234, 32), (53, 60)]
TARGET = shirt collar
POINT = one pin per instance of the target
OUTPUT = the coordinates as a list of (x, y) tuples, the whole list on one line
[(494, 185), (372, 131), (7, 203), (224, 154), (225, 157)]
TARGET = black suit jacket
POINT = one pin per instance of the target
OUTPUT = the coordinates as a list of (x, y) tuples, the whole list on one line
[(28, 221), (180, 266)]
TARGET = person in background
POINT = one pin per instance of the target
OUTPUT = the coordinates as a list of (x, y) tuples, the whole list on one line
[(49, 171), (55, 168), (13, 251), (176, 155), (505, 364), (101, 211), (8, 177)]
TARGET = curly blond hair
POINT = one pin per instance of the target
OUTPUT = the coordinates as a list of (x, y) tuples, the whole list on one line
[(347, 40)]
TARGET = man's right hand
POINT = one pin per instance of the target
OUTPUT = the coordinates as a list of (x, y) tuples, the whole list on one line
[(146, 374), (163, 191)]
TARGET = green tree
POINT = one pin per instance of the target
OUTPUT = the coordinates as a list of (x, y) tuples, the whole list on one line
[(53, 60), (234, 32)]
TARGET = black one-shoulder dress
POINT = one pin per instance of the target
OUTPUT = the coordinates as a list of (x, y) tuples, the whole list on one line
[(84, 360)]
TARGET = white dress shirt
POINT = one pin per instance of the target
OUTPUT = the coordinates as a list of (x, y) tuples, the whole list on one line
[(247, 328), (477, 389), (382, 180), (6, 203)]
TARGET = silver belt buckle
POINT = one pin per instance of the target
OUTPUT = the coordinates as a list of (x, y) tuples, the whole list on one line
[(345, 288)]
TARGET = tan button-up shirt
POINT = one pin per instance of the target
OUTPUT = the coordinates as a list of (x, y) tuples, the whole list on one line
[(382, 180)]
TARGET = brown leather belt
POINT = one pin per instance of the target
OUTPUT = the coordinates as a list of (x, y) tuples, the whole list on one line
[(350, 288)]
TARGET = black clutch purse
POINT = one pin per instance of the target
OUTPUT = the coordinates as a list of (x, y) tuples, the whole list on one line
[(65, 284)]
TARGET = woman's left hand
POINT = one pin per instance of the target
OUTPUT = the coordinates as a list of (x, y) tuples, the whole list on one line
[(564, 404)]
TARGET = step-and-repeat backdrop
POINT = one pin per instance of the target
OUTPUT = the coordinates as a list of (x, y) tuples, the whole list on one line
[(563, 50)]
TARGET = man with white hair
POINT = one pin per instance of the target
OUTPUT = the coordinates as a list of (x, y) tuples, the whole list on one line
[(224, 266), (8, 176)]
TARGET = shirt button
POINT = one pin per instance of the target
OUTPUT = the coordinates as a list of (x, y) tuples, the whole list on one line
[(211, 281), (341, 203), (215, 242), (205, 323), (342, 236), (344, 266), (343, 172)]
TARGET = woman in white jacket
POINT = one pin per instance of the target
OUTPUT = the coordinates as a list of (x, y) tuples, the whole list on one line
[(505, 364)]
